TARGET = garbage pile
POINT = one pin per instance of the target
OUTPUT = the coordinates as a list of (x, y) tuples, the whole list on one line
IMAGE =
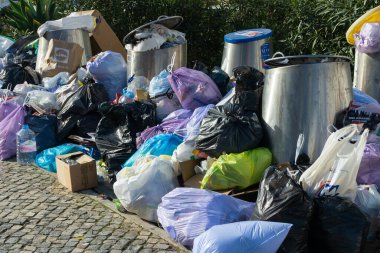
[(187, 148)]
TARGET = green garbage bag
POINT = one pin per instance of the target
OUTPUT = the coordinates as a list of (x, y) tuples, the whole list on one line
[(237, 170)]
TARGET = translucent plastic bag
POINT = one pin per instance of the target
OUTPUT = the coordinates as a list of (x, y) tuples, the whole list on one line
[(24, 88), (9, 126), (334, 172), (141, 187), (185, 213), (43, 102), (369, 170), (163, 144), (245, 236), (237, 170), (5, 43), (159, 84), (138, 83), (194, 125), (53, 83), (368, 199), (368, 40), (109, 70), (194, 88), (46, 159), (166, 104)]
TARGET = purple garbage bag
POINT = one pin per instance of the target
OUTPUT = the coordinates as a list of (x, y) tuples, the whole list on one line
[(195, 121), (185, 213), (369, 171), (174, 123), (194, 88), (368, 40), (9, 127), (6, 108)]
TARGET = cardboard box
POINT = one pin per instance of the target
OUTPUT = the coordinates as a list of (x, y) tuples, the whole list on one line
[(103, 38), (79, 176), (190, 178)]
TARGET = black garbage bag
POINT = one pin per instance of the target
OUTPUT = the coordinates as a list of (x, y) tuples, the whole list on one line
[(338, 226), (14, 74), (116, 131), (229, 129), (45, 128), (200, 66), (82, 102), (282, 199), (20, 52), (248, 78), (87, 124), (221, 79), (249, 100)]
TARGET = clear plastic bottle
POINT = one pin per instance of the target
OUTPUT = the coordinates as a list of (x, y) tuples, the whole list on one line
[(128, 97), (26, 146)]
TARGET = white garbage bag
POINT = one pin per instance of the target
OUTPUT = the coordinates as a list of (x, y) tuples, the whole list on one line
[(335, 171), (141, 187)]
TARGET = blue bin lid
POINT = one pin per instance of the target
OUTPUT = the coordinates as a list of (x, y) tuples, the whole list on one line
[(247, 35)]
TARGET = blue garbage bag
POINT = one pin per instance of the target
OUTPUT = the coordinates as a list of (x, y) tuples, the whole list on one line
[(163, 144), (245, 236), (110, 70), (363, 98), (159, 84), (185, 213), (46, 159)]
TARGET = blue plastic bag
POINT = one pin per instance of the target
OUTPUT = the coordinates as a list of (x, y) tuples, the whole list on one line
[(163, 144), (361, 98), (195, 121), (159, 84), (110, 70), (246, 236), (185, 213), (46, 159)]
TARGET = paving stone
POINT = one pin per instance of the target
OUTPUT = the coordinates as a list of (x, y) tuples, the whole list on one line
[(37, 214)]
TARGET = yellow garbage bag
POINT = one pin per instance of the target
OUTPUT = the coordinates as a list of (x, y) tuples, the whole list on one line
[(237, 170)]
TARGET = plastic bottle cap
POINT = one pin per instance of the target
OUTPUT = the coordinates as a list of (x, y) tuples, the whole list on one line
[(25, 126)]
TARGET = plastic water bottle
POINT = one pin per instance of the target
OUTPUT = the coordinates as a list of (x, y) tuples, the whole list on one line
[(128, 97), (26, 146)]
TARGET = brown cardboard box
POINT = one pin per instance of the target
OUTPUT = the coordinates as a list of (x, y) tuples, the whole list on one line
[(103, 37), (190, 178), (77, 177)]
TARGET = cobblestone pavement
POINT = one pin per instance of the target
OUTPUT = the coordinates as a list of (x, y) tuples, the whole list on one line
[(37, 214)]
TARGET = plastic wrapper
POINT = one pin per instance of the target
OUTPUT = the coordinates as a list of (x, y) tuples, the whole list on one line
[(45, 128), (282, 199), (166, 104), (174, 123), (368, 40), (237, 170), (369, 172), (9, 126), (194, 88), (53, 83), (83, 101), (138, 83), (229, 129), (141, 187), (159, 84), (116, 132), (338, 226), (186, 213), (244, 236), (110, 71), (163, 144), (5, 43), (248, 78), (335, 171), (43, 102), (194, 125), (46, 159), (14, 74)]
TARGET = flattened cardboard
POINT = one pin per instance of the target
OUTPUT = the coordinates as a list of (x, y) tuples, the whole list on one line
[(77, 177), (103, 38)]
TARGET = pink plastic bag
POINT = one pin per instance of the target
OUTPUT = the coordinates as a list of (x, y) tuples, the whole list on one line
[(9, 127), (194, 88)]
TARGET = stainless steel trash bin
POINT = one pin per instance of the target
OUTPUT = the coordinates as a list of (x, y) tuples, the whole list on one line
[(303, 95), (79, 36), (367, 74), (151, 63), (249, 47)]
